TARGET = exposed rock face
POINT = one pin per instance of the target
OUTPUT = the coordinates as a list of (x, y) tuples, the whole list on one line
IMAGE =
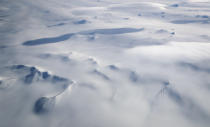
[(44, 105), (32, 74)]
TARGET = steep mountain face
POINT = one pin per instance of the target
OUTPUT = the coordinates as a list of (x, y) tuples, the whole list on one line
[(121, 63)]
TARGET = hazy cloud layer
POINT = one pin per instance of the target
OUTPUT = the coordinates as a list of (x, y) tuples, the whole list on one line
[(99, 63)]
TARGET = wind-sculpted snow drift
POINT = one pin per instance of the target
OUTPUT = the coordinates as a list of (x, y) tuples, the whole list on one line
[(99, 63)]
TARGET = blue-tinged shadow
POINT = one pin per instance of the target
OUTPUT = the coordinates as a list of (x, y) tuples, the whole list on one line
[(202, 16), (175, 5), (81, 22), (190, 21), (133, 76), (44, 105), (113, 67), (175, 96), (88, 32), (194, 67), (59, 24), (33, 72), (48, 40), (105, 77), (111, 31), (188, 107)]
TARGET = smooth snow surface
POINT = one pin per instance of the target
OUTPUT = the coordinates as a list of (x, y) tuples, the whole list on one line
[(104, 63)]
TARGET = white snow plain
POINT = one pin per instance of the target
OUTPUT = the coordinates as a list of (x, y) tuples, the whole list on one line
[(100, 63)]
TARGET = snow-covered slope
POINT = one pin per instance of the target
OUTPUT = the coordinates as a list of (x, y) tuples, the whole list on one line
[(99, 63)]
